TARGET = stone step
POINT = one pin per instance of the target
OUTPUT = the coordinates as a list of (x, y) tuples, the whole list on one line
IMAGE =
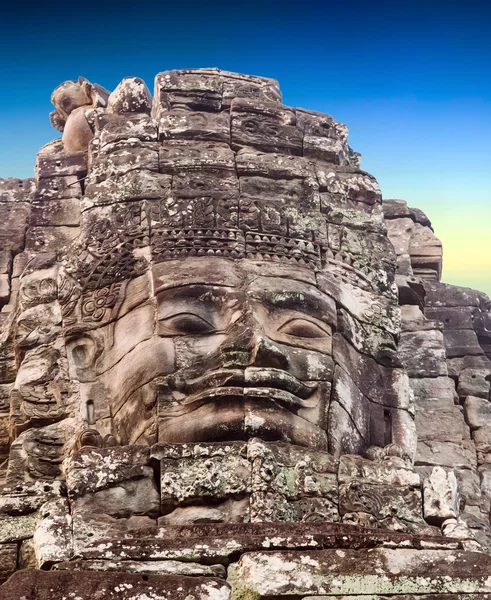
[(360, 572)]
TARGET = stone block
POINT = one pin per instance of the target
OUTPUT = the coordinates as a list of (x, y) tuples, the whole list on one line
[(435, 393), (312, 123), (356, 406), (19, 264), (157, 567), (403, 269), (27, 497), (5, 389), (457, 365), (135, 185), (265, 126), (130, 96), (5, 262), (477, 412), (485, 478), (253, 163), (425, 250), (54, 162), (392, 384), (349, 183), (343, 435), (448, 296), (14, 219), (461, 342), (439, 425), (290, 483), (112, 128), (55, 188), (355, 469), (176, 156), (13, 189), (4, 288), (44, 239), (423, 353), (395, 209), (377, 571), (474, 382), (445, 454), (381, 501), (351, 215), (236, 85), (418, 216), (452, 318), (220, 185), (326, 149), (411, 315), (8, 561), (324, 138), (87, 585), (458, 529), (440, 496), (268, 190), (27, 558), (202, 473), (119, 158), (53, 534), (15, 529), (204, 126), (115, 481), (424, 243), (187, 88), (469, 488), (56, 212), (482, 441), (399, 232)]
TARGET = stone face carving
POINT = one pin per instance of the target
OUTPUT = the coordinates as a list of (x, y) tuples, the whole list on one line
[(209, 301), (211, 325)]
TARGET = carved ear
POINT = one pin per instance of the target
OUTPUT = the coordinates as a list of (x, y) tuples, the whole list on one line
[(84, 351)]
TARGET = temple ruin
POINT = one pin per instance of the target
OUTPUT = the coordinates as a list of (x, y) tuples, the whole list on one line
[(228, 368)]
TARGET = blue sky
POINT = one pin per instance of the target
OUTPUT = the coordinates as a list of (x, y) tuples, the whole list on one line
[(413, 83)]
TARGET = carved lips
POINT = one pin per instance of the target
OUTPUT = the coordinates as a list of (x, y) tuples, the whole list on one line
[(253, 382), (231, 404)]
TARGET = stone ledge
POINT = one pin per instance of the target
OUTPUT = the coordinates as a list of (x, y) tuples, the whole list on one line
[(42, 585)]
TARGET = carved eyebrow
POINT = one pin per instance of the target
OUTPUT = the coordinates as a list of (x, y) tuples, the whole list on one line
[(299, 300), (202, 293)]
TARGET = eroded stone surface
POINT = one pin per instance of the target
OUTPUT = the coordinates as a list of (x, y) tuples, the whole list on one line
[(40, 585)]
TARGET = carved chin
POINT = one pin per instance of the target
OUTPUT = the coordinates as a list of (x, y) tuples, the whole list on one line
[(241, 419)]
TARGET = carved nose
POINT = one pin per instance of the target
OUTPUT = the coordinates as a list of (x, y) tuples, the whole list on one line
[(267, 354)]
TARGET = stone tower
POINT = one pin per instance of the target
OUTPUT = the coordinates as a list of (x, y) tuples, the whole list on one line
[(228, 368)]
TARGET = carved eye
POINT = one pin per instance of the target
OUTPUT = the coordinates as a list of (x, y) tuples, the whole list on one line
[(188, 324), (303, 329), (271, 130), (250, 126)]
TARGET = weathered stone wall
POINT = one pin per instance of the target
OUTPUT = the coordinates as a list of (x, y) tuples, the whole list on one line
[(443, 341)]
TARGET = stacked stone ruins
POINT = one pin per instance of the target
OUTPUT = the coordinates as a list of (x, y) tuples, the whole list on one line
[(228, 369)]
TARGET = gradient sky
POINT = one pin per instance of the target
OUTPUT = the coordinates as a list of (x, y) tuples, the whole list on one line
[(411, 80)]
